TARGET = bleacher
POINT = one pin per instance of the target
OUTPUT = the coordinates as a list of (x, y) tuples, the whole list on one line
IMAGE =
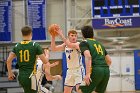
[(7, 86)]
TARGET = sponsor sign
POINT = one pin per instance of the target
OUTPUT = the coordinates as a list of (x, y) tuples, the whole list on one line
[(119, 22)]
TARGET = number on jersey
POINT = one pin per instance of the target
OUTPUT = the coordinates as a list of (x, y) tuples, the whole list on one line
[(24, 55), (98, 49)]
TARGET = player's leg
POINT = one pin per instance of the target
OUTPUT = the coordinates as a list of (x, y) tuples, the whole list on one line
[(103, 84), (69, 81), (79, 75), (25, 82), (96, 77), (87, 88), (77, 87), (82, 88), (68, 89)]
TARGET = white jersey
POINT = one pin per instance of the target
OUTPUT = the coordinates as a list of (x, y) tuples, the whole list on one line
[(39, 77), (39, 73), (73, 57), (75, 71)]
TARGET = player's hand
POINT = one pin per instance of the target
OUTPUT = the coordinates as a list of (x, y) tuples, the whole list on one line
[(59, 31), (87, 79), (57, 27), (11, 76), (54, 64), (48, 66), (57, 77)]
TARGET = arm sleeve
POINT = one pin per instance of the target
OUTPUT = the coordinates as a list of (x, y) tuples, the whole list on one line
[(39, 49), (14, 48), (83, 46), (105, 52)]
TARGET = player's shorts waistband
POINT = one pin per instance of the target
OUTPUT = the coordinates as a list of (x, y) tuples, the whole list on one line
[(75, 68)]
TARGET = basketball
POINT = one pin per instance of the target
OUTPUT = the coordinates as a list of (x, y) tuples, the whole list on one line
[(52, 29)]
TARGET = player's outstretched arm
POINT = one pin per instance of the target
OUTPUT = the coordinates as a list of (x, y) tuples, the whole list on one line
[(50, 77), (47, 67), (55, 47)]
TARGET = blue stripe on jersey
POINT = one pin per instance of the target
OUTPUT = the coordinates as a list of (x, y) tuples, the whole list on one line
[(82, 73), (40, 79), (79, 56)]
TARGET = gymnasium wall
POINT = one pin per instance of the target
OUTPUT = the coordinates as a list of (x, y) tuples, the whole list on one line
[(122, 71), (20, 17)]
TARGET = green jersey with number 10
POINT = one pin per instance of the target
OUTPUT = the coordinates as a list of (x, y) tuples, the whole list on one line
[(26, 52)]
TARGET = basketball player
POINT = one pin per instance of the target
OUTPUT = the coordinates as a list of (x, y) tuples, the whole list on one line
[(26, 52), (75, 69), (96, 57), (40, 74)]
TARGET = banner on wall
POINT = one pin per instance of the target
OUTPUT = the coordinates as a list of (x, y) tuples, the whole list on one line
[(137, 69), (120, 22), (5, 20), (36, 14)]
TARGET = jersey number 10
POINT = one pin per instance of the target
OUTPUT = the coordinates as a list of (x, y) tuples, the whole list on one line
[(24, 55)]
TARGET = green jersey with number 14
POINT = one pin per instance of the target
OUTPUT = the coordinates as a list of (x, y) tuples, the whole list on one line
[(97, 51)]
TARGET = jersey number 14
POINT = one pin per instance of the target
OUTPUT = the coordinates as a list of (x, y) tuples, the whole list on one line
[(98, 49)]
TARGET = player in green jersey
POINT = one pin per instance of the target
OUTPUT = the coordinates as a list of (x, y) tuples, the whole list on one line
[(97, 63), (26, 53)]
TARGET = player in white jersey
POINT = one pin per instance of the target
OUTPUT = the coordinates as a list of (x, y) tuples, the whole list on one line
[(74, 60), (40, 74), (75, 67)]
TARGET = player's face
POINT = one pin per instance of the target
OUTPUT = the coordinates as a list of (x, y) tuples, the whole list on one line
[(73, 38), (31, 36)]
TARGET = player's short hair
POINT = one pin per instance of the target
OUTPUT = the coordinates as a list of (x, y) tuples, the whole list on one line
[(26, 30), (72, 31), (87, 31)]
